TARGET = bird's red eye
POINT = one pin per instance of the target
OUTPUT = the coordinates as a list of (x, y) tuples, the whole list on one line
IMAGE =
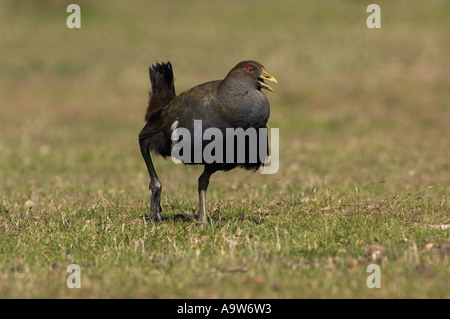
[(250, 69)]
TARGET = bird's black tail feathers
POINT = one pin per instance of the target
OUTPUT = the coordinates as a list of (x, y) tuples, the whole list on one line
[(163, 89)]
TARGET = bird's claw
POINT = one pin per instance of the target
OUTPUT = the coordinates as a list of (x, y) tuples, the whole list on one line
[(155, 212)]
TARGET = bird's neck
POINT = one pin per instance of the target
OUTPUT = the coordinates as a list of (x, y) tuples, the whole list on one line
[(230, 89)]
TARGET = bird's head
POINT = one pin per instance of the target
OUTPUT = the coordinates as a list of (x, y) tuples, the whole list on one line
[(252, 72)]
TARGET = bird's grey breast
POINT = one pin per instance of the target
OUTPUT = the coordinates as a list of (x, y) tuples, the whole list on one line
[(247, 109)]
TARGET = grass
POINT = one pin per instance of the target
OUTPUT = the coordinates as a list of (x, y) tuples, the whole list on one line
[(364, 152)]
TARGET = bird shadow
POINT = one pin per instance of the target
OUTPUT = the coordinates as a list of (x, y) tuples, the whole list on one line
[(186, 218), (214, 219), (164, 219)]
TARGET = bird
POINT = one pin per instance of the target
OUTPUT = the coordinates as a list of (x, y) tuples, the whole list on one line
[(234, 103)]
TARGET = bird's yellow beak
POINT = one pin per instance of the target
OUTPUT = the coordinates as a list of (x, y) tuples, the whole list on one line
[(266, 76)]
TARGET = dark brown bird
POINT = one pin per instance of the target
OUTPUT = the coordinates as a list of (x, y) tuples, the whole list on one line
[(232, 103)]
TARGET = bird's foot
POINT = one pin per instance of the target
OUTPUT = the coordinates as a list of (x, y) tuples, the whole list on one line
[(155, 212), (201, 223), (155, 200), (202, 219)]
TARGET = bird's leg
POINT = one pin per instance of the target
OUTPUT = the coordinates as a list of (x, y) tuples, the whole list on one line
[(155, 184), (203, 182)]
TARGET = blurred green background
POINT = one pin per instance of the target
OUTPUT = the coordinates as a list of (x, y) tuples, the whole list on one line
[(362, 112), (381, 94)]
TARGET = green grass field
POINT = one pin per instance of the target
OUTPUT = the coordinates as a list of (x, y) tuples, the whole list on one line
[(364, 119)]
